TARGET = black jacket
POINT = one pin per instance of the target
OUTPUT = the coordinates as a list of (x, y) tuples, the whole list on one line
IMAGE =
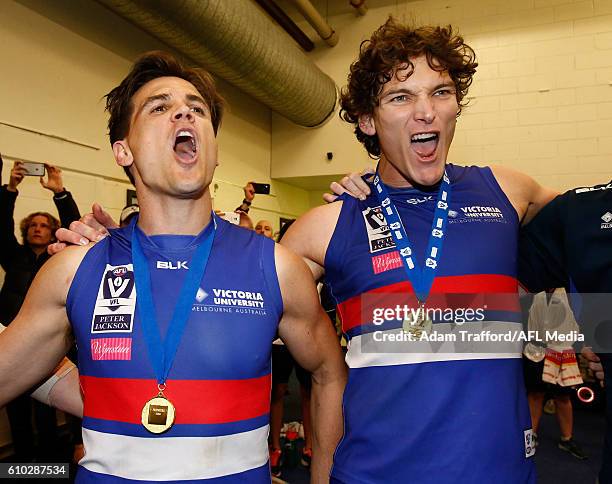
[(19, 261)]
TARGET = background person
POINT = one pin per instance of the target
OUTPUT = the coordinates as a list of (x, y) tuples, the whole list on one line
[(568, 244), (21, 262), (282, 366)]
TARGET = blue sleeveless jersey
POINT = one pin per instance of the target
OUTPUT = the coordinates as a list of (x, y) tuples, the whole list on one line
[(433, 412), (219, 382)]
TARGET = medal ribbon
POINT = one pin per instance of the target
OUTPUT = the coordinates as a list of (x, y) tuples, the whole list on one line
[(162, 355), (421, 278)]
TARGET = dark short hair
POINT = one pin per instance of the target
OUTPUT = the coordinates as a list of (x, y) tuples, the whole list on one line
[(25, 224), (387, 53), (148, 67)]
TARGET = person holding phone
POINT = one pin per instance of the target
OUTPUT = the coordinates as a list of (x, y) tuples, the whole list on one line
[(21, 262), (263, 227)]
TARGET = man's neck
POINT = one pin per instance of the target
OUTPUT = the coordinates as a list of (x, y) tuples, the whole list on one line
[(391, 176), (176, 216)]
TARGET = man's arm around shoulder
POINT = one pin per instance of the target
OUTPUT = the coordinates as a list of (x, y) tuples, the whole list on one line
[(311, 339), (38, 338), (310, 234), (526, 195)]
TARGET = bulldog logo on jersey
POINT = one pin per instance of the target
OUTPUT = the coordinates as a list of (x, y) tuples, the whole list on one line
[(116, 301), (379, 235)]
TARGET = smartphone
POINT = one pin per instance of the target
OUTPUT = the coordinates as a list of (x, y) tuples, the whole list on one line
[(261, 188), (34, 169)]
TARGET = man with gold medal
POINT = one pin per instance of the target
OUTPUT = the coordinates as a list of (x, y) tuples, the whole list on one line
[(174, 314)]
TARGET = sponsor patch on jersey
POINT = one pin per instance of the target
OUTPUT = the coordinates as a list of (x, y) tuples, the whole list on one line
[(379, 235), (232, 301), (607, 220), (476, 213), (419, 200), (173, 266), (530, 448), (111, 349), (116, 301), (386, 262)]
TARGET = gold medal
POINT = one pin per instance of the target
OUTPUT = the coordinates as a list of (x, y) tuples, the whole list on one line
[(418, 324), (158, 413)]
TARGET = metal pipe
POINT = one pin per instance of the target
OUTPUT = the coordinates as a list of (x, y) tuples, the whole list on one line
[(286, 23), (359, 6), (317, 22), (238, 42)]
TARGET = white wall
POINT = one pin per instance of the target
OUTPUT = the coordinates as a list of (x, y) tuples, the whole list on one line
[(542, 95)]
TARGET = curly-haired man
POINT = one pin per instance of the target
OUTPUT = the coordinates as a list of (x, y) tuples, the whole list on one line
[(417, 411)]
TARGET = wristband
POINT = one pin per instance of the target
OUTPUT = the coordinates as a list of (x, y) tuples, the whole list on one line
[(244, 207), (60, 195)]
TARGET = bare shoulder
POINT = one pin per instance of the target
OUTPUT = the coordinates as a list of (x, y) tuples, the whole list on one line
[(296, 283), (290, 268), (310, 234), (56, 275), (69, 259), (526, 195)]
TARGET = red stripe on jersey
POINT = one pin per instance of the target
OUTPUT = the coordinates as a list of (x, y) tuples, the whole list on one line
[(491, 292), (195, 401)]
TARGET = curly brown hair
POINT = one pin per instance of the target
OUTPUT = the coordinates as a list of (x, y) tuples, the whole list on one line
[(25, 224), (387, 53), (148, 67)]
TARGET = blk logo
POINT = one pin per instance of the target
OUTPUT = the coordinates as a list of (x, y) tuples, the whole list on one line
[(181, 264)]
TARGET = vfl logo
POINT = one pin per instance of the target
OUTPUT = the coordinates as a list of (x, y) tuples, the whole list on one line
[(119, 283), (607, 219), (530, 445), (116, 301), (181, 264), (379, 235)]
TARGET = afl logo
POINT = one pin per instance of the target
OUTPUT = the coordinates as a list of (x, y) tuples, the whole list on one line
[(118, 283)]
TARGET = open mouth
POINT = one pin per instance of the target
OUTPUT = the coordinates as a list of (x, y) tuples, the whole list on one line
[(425, 144), (185, 145)]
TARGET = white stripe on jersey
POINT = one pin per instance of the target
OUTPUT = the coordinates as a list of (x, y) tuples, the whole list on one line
[(365, 351), (174, 458)]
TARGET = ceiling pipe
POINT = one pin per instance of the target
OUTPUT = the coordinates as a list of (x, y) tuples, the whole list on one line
[(286, 23), (317, 22), (238, 42), (359, 5)]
